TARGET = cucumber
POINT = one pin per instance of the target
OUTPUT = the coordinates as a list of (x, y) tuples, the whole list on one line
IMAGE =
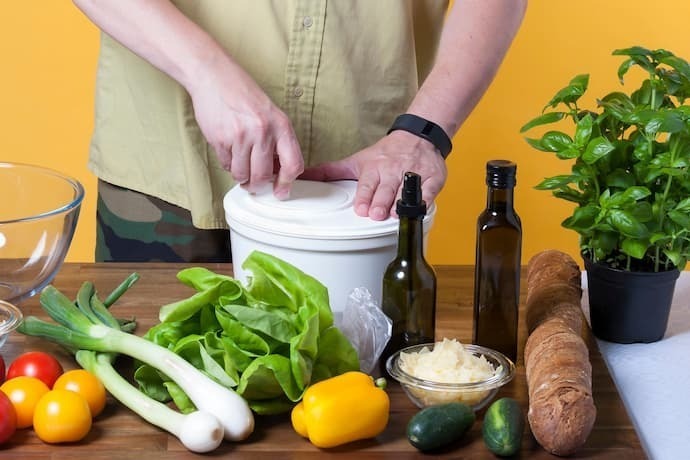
[(440, 425), (503, 426)]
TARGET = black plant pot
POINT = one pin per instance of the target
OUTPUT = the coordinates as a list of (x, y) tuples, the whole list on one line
[(629, 307)]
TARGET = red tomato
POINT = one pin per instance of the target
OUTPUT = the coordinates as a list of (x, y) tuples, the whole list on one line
[(8, 418), (36, 364), (2, 370)]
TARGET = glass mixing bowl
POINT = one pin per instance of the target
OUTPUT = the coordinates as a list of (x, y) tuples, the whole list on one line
[(38, 216)]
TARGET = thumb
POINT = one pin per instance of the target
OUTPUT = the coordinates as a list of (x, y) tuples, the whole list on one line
[(333, 170)]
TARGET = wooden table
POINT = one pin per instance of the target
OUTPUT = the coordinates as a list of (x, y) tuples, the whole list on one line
[(119, 433)]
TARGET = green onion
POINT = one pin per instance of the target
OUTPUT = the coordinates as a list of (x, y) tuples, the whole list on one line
[(198, 431), (118, 291), (89, 325)]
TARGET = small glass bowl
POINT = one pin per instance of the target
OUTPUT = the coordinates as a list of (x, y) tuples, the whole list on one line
[(425, 393), (10, 317)]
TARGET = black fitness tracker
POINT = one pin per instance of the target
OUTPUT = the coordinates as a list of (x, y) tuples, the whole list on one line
[(425, 129)]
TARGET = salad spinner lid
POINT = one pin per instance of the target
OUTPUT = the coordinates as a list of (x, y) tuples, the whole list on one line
[(320, 210)]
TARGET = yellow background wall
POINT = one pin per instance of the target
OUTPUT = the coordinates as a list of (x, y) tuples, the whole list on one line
[(49, 49)]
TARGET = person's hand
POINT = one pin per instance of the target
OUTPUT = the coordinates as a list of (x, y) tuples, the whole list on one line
[(379, 170), (252, 137)]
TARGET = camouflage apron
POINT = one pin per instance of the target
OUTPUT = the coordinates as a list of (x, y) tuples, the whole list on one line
[(135, 227)]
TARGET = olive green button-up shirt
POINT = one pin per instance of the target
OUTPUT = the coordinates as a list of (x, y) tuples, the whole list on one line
[(341, 70)]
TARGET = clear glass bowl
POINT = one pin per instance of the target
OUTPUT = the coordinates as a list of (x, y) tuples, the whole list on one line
[(425, 393), (38, 216), (10, 317)]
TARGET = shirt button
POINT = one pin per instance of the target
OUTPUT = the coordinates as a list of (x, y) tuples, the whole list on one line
[(307, 22), (297, 91)]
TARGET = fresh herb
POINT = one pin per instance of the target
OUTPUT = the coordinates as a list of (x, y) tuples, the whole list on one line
[(630, 178)]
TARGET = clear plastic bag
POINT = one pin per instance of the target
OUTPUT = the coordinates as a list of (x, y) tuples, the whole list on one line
[(366, 326)]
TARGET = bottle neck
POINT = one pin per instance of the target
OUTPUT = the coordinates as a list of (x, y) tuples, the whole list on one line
[(499, 199), (410, 236)]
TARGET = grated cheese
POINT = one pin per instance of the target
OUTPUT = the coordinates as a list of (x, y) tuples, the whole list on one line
[(448, 362)]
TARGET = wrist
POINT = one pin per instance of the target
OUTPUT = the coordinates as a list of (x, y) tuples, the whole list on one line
[(425, 129)]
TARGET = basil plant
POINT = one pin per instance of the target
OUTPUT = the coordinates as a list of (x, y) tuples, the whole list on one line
[(629, 178)]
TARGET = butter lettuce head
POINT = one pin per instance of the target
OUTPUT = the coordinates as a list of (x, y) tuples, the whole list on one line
[(267, 340)]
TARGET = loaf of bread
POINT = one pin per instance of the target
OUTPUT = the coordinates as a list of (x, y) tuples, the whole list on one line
[(559, 374)]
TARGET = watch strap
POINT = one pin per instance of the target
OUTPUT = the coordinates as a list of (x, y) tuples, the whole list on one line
[(425, 129)]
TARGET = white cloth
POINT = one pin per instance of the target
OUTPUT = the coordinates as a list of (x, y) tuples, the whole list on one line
[(653, 379)]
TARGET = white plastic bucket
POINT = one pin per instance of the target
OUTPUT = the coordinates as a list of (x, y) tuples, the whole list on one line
[(317, 231)]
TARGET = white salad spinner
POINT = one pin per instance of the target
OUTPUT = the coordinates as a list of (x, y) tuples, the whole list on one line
[(317, 231)]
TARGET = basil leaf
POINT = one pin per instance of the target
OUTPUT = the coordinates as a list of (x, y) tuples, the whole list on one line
[(544, 119), (626, 223), (597, 148), (556, 141), (555, 182), (634, 248)]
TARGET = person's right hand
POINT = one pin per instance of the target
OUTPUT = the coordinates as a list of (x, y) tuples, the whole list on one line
[(248, 132), (252, 137)]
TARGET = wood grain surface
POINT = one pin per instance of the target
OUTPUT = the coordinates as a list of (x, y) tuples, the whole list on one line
[(119, 433)]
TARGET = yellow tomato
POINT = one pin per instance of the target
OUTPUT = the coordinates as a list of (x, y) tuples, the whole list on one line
[(62, 416), (24, 392), (86, 384)]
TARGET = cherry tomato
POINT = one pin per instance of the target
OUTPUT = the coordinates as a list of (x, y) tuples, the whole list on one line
[(36, 364), (86, 384), (24, 392), (8, 418), (62, 416)]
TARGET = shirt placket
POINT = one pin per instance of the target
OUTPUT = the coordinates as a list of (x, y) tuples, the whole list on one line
[(304, 56)]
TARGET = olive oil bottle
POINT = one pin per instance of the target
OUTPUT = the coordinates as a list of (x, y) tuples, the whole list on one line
[(497, 264), (409, 282)]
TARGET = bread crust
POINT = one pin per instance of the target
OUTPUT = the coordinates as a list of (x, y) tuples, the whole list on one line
[(559, 374), (552, 265)]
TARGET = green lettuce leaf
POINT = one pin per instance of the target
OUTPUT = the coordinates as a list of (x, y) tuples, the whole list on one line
[(268, 340)]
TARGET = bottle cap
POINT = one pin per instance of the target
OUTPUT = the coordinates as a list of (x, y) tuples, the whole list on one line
[(501, 173), (410, 203)]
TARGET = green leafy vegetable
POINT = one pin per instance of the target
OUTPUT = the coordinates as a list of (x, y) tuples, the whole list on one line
[(630, 175), (269, 340)]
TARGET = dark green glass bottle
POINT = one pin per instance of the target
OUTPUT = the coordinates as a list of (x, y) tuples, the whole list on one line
[(409, 282), (497, 264)]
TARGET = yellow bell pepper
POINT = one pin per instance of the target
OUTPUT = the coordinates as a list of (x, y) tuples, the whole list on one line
[(341, 409)]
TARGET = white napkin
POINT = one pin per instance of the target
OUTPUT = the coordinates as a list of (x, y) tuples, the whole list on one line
[(653, 379)]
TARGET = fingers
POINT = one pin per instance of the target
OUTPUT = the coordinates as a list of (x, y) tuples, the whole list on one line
[(290, 161), (239, 151), (376, 194), (366, 188), (431, 187), (383, 203), (383, 166), (334, 170), (257, 153), (261, 164), (376, 189), (247, 131)]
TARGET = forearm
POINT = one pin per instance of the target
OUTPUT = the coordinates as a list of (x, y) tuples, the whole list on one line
[(475, 39), (158, 32), (246, 130)]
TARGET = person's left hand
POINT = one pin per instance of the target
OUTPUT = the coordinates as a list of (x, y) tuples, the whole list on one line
[(379, 170)]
